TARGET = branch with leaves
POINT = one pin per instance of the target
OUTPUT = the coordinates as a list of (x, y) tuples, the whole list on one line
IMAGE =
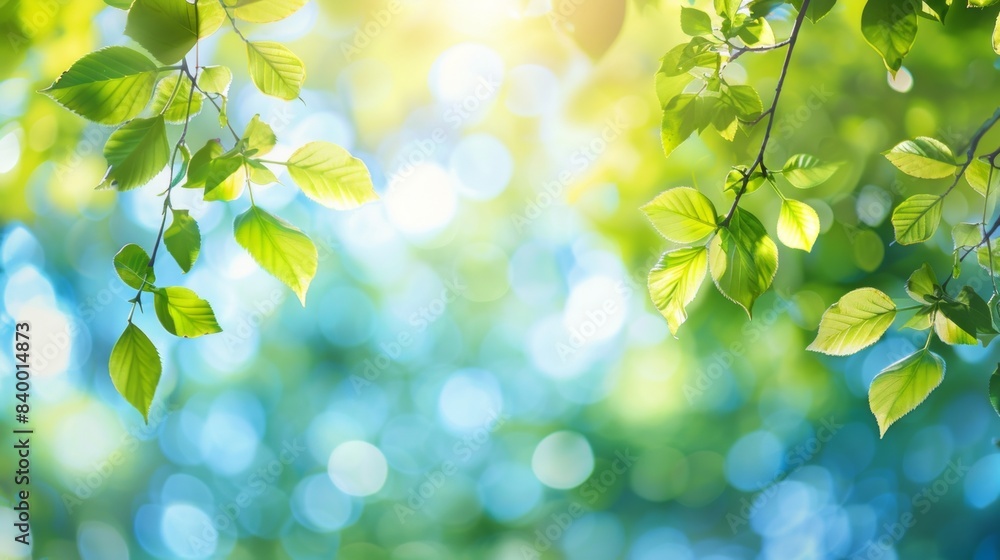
[(143, 96)]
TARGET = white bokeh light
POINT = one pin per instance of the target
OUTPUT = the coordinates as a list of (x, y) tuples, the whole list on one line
[(422, 200), (563, 460), (358, 468)]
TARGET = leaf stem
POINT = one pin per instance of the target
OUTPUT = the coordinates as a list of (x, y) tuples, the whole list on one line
[(739, 51), (759, 161)]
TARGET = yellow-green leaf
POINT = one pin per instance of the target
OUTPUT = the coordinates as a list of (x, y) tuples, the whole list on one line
[(805, 171), (924, 158), (916, 219), (183, 239), (798, 225), (266, 11), (743, 260), (168, 29), (136, 152), (855, 322), (682, 214), (226, 178), (332, 177), (258, 138), (135, 368), (275, 69), (674, 282), (183, 313), (902, 386), (890, 26), (279, 248), (176, 102), (132, 266), (922, 286), (108, 86)]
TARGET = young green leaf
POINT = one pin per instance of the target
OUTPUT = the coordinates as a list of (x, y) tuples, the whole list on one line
[(890, 26), (331, 176), (258, 138), (136, 152), (805, 172), (743, 260), (182, 313), (279, 248), (259, 173), (954, 324), (966, 235), (902, 386), (916, 219), (200, 164), (226, 178), (855, 322), (275, 70), (756, 32), (935, 9), (215, 79), (995, 389), (265, 11), (745, 100), (727, 8), (682, 116), (922, 286), (108, 86), (135, 368), (983, 177), (183, 239), (734, 180), (674, 282), (924, 158), (921, 320), (798, 225), (172, 100), (132, 266), (817, 8), (682, 215), (168, 29), (988, 257), (695, 22)]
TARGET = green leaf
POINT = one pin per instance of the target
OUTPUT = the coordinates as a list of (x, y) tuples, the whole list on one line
[(757, 32), (925, 158), (890, 26), (683, 115), (743, 260), (266, 11), (215, 79), (182, 313), (226, 178), (136, 153), (921, 320), (902, 386), (996, 36), (275, 70), (132, 266), (168, 29), (135, 368), (279, 248), (855, 322), (982, 3), (954, 323), (259, 173), (995, 389), (332, 177), (763, 8), (745, 100), (966, 235), (734, 180), (674, 282), (817, 8), (258, 137), (108, 86), (698, 53), (983, 177), (916, 219), (200, 164), (798, 225), (982, 319), (183, 239), (727, 8), (171, 99), (682, 215), (935, 9), (120, 4), (695, 22), (805, 171), (988, 257), (922, 286)]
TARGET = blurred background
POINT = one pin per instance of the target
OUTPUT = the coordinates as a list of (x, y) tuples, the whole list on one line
[(479, 372)]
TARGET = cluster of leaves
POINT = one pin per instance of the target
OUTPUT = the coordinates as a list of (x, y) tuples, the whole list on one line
[(740, 255), (734, 246), (862, 316), (122, 87)]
